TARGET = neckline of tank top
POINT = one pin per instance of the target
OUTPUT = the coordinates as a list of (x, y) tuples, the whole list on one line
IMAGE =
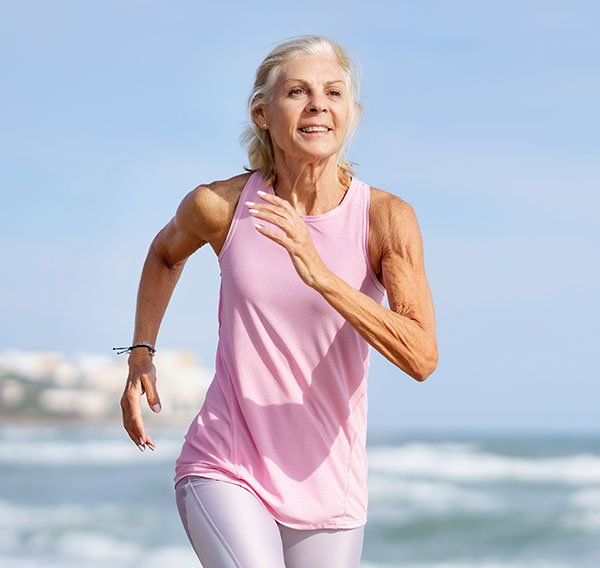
[(311, 218)]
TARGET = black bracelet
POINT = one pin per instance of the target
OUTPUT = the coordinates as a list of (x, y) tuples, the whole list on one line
[(149, 347)]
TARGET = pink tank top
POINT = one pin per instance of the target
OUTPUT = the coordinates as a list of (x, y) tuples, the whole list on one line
[(286, 414)]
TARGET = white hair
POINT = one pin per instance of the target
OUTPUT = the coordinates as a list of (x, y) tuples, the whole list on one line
[(258, 141)]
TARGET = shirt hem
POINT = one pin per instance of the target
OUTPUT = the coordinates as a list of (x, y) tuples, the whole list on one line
[(220, 475)]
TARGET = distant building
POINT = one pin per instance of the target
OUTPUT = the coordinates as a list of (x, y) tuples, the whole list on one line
[(85, 386)]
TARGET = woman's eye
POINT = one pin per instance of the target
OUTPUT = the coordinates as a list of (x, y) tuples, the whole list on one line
[(297, 91), (335, 93)]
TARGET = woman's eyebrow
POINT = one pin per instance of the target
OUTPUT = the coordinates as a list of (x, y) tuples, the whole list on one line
[(295, 81), (304, 82)]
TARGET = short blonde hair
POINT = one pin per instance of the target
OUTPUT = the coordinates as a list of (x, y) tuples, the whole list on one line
[(258, 141)]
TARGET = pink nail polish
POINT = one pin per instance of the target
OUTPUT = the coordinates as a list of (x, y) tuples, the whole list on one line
[(156, 408)]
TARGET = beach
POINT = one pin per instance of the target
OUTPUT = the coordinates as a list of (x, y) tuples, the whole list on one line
[(78, 495)]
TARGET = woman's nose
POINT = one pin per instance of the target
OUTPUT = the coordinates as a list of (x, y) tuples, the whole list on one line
[(317, 104)]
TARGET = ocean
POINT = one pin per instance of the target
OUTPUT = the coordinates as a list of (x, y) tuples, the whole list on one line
[(73, 497)]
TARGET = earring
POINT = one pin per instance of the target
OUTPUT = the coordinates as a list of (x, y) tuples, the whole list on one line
[(265, 125)]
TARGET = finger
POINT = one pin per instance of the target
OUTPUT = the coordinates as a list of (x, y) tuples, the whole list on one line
[(147, 440), (279, 238), (137, 431), (274, 218), (275, 200), (132, 418), (149, 384), (269, 197), (263, 207)]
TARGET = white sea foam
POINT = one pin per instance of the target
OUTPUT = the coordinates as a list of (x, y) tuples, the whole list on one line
[(585, 513), (586, 499), (77, 535), (15, 519), (426, 496), (171, 556), (90, 546), (105, 553), (174, 556), (471, 564), (460, 462), (29, 451)]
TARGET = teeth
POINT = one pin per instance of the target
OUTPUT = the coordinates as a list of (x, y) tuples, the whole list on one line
[(315, 129)]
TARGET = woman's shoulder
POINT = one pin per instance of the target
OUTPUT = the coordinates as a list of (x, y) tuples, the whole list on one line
[(386, 205), (391, 217), (212, 205), (220, 193)]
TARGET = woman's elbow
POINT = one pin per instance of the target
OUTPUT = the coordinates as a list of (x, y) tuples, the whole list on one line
[(425, 367)]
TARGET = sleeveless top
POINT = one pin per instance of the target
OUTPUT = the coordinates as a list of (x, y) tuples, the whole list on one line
[(285, 415)]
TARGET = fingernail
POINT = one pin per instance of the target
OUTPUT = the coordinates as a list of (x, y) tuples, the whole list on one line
[(250, 203), (261, 192), (258, 226), (156, 408), (141, 447), (253, 210), (150, 446)]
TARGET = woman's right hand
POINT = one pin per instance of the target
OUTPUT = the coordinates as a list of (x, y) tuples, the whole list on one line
[(141, 379)]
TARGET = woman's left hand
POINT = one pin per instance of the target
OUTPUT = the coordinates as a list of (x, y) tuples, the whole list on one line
[(295, 238)]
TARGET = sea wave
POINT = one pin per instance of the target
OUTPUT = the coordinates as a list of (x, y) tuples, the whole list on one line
[(449, 462), (427, 496), (79, 535), (585, 513), (464, 462), (471, 564), (19, 519), (102, 552), (107, 452)]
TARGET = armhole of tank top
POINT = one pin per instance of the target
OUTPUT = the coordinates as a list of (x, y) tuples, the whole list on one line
[(366, 225), (236, 216)]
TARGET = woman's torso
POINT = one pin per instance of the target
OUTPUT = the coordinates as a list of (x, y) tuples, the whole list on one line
[(285, 415)]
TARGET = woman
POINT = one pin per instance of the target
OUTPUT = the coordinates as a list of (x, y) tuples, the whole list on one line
[(273, 470)]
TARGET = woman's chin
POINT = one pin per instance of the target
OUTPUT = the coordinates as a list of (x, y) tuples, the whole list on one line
[(311, 154)]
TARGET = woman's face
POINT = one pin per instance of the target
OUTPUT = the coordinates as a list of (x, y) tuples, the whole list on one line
[(308, 114)]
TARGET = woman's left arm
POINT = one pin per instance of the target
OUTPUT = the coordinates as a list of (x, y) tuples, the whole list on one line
[(405, 334)]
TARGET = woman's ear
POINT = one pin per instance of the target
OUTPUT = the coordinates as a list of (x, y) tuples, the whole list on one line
[(258, 114)]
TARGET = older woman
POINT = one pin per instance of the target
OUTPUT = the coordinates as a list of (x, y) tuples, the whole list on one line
[(273, 470)]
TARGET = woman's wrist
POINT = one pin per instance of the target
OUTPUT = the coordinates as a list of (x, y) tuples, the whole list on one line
[(143, 345), (141, 354), (139, 358)]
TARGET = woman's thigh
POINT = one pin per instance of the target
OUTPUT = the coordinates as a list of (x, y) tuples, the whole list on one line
[(322, 548), (227, 525)]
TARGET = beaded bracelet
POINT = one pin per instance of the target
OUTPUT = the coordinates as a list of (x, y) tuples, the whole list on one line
[(148, 346)]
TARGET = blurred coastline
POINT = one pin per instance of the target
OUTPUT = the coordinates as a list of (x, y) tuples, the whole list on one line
[(50, 387)]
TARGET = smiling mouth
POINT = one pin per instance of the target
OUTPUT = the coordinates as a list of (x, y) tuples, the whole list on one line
[(309, 129)]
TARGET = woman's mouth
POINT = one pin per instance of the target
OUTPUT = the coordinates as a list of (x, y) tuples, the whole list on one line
[(314, 129)]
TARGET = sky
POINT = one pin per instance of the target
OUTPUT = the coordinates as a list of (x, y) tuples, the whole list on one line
[(484, 116)]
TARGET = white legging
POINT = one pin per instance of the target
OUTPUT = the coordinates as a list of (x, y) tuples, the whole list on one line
[(230, 528)]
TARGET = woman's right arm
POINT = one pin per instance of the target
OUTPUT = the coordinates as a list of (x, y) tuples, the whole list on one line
[(203, 217), (168, 253)]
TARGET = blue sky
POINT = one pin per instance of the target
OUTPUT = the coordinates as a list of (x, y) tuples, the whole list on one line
[(484, 116)]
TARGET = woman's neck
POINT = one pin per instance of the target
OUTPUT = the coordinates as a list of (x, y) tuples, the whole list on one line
[(311, 188)]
